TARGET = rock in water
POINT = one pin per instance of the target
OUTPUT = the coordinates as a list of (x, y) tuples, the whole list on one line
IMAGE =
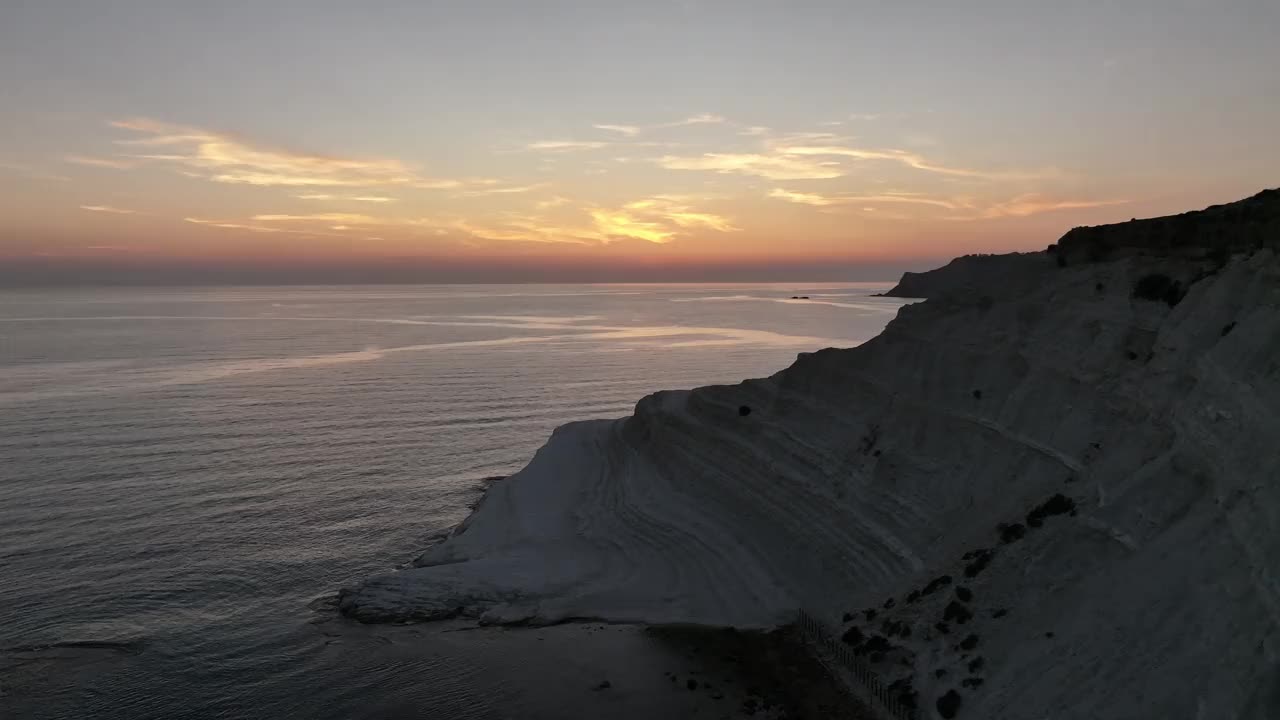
[(1158, 576)]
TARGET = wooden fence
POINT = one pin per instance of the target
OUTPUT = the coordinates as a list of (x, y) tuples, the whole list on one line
[(867, 685)]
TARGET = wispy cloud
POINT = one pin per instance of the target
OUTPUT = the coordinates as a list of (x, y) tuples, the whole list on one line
[(803, 138), (802, 198), (634, 130), (864, 117), (909, 159), (503, 190), (627, 130), (616, 223), (352, 198), (969, 207), (111, 248), (1033, 204), (567, 145), (223, 158), (113, 163), (247, 227), (228, 225), (773, 166), (343, 218), (701, 119), (703, 220), (108, 209), (820, 200), (904, 157)]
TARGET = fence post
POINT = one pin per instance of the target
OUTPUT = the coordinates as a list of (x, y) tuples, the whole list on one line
[(884, 702)]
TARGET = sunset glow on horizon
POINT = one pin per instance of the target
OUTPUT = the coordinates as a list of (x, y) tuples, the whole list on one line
[(561, 135)]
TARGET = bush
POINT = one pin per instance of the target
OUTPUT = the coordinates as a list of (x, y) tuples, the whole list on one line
[(980, 561), (948, 704), (957, 613), (1059, 504), (1159, 288), (1010, 532)]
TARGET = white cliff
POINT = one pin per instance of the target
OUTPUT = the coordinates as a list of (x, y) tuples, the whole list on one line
[(1059, 499)]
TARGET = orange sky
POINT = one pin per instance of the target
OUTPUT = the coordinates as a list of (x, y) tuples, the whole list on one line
[(177, 156)]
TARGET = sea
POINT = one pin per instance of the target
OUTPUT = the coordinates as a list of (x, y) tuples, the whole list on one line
[(188, 476)]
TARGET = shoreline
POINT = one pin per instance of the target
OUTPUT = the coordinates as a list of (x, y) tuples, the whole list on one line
[(624, 671)]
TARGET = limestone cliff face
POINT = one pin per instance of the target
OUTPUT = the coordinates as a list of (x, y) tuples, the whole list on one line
[(1058, 497)]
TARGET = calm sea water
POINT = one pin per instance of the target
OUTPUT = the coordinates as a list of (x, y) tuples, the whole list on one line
[(186, 474)]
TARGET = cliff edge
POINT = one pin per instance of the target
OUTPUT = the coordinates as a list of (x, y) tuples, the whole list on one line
[(1211, 234), (1055, 497)]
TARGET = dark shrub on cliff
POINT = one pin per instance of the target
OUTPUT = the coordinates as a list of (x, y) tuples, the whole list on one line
[(1159, 288)]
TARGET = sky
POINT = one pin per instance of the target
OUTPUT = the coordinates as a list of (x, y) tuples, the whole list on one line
[(399, 140)]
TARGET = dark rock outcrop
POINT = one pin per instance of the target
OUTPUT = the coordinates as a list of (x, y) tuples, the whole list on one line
[(968, 272), (1212, 234)]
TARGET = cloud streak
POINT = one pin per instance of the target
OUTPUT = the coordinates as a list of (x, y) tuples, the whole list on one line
[(113, 163), (812, 156), (343, 218), (1020, 206), (634, 130), (108, 209), (819, 200), (502, 190), (223, 158), (1034, 204), (627, 130), (247, 227), (567, 145), (352, 198), (904, 157), (701, 119), (771, 166)]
